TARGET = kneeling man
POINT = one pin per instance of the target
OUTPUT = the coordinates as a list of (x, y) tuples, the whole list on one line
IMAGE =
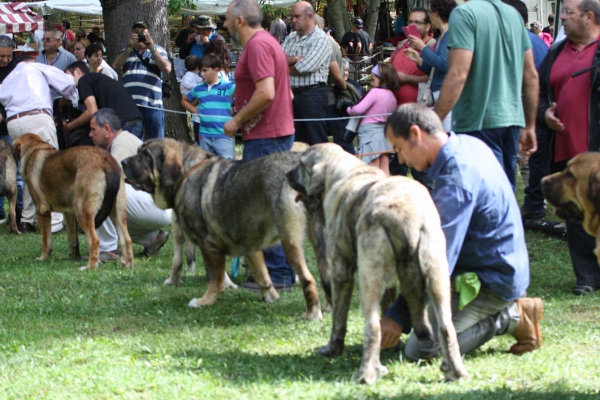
[(487, 256), (144, 218)]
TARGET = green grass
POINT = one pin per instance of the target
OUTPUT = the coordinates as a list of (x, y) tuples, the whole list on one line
[(116, 333)]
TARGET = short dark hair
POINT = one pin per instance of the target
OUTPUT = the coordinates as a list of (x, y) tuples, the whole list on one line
[(389, 76), (423, 10), (108, 116), (520, 7), (80, 65), (443, 8), (191, 63), (93, 49), (410, 114), (551, 19), (211, 61), (67, 24)]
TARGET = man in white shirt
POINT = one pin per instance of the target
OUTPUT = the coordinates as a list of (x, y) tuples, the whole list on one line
[(144, 218), (25, 94)]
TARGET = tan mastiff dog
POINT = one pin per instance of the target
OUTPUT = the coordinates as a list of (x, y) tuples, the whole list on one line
[(84, 183), (388, 229), (575, 192)]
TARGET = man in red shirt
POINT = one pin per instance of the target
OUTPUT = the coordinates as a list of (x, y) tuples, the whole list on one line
[(569, 107), (409, 73), (263, 103)]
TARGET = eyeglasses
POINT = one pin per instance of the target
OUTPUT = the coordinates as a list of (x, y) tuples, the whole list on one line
[(568, 12), (48, 39), (410, 22)]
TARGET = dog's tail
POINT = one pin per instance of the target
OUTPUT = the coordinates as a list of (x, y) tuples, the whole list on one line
[(113, 184)]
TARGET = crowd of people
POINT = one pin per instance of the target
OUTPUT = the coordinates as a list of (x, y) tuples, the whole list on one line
[(489, 89)]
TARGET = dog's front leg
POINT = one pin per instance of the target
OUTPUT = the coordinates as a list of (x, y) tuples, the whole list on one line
[(178, 239), (341, 296), (597, 249), (71, 221), (215, 268), (256, 262), (46, 230)]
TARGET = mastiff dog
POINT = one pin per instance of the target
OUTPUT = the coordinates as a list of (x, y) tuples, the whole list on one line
[(8, 183), (388, 229), (84, 183), (230, 207), (575, 192)]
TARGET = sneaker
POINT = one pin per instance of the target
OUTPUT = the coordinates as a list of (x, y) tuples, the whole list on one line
[(2, 220), (157, 243), (106, 256), (26, 227), (528, 334), (582, 290), (551, 227)]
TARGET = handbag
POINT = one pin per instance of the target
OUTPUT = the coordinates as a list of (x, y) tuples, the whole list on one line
[(425, 96)]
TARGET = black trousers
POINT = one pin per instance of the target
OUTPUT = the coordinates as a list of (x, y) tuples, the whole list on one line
[(539, 166), (581, 250), (311, 104)]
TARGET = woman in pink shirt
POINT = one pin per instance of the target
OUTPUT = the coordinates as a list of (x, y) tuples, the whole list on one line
[(379, 100)]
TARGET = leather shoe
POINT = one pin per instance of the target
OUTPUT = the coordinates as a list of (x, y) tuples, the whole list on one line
[(26, 227), (528, 334), (157, 243)]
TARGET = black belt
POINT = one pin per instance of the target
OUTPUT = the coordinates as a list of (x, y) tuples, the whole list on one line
[(307, 88)]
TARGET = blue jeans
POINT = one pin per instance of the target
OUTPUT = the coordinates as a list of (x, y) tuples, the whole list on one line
[(19, 186), (279, 269), (222, 146), (154, 123), (135, 127), (311, 104), (504, 142)]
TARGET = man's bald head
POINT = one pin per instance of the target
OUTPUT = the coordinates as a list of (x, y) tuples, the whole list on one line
[(303, 17)]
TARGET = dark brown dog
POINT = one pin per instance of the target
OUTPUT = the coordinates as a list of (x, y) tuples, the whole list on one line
[(8, 183), (575, 192), (85, 183)]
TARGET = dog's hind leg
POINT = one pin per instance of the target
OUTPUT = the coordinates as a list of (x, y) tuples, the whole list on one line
[(85, 216), (294, 252), (412, 287), (342, 284), (256, 262), (316, 235), (215, 268), (118, 215), (46, 230), (178, 239), (12, 212), (71, 221), (190, 255)]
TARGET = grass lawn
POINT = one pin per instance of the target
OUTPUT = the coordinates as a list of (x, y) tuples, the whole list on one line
[(116, 333)]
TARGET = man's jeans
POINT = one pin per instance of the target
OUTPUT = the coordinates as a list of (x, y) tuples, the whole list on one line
[(135, 127), (504, 142), (311, 104), (19, 185), (154, 123), (279, 269), (222, 146)]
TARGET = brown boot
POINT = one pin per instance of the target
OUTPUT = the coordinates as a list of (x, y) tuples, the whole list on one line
[(528, 333), (390, 333)]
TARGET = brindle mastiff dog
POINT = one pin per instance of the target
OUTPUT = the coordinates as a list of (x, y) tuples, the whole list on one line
[(8, 183), (575, 192), (84, 183), (387, 229), (229, 207)]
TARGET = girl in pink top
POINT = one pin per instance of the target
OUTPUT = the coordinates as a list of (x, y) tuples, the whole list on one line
[(379, 100)]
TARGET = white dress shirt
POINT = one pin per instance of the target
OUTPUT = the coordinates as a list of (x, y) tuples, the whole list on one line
[(28, 86)]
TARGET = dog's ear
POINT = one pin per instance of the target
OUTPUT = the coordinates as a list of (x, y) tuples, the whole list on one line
[(172, 167), (316, 185), (594, 190), (16, 150)]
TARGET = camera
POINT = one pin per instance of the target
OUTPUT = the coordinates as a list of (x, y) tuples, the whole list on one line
[(141, 38)]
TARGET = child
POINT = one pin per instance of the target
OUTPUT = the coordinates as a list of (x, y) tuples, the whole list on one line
[(379, 100), (214, 97), (190, 80)]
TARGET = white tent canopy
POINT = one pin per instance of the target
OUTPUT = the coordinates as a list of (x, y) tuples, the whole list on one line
[(216, 7), (86, 7)]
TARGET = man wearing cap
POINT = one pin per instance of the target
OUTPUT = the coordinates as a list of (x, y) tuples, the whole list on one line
[(356, 42), (308, 52), (143, 62), (202, 31)]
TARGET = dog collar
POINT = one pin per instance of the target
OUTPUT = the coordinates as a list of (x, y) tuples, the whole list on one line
[(184, 177)]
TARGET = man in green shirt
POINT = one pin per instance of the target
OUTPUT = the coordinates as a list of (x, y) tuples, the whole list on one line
[(492, 83)]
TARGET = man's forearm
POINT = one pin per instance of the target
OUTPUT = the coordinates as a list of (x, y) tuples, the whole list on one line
[(162, 63), (80, 121), (414, 79), (121, 59), (531, 90)]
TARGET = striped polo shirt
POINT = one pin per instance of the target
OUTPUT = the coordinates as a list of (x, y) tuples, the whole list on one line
[(315, 50), (214, 105), (143, 84)]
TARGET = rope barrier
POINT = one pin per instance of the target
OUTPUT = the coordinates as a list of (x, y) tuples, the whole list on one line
[(295, 120)]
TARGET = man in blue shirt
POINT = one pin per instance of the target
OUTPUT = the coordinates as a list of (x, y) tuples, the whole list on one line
[(485, 241)]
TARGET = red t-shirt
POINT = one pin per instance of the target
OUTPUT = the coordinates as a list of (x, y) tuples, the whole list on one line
[(572, 100), (407, 93), (261, 58)]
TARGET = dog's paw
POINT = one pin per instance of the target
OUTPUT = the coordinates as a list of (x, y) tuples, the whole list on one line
[(228, 283), (172, 281), (370, 373), (270, 295), (202, 302), (313, 316), (451, 374), (331, 350), (84, 268), (192, 267)]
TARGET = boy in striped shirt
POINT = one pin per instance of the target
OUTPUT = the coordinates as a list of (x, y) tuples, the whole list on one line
[(213, 98)]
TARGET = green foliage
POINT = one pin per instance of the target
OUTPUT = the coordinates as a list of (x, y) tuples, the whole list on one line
[(174, 6), (115, 333)]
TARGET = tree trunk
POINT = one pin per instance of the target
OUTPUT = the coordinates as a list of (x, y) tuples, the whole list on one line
[(119, 16), (372, 17), (345, 17), (336, 18)]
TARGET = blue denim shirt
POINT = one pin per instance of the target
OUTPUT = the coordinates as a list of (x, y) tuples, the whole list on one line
[(480, 217), (438, 59), (538, 47)]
